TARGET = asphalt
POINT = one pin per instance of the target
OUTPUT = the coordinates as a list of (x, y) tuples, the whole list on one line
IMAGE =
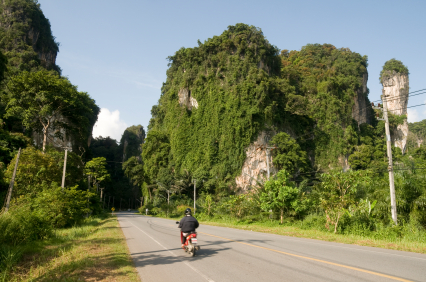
[(228, 254)]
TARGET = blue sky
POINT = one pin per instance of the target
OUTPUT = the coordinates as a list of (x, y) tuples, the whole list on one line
[(116, 50)]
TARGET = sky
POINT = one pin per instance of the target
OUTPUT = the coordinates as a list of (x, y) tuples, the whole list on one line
[(116, 50)]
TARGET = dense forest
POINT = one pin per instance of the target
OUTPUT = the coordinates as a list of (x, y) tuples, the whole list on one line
[(42, 114), (328, 151)]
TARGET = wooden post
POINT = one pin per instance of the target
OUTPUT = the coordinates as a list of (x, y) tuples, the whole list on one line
[(12, 181)]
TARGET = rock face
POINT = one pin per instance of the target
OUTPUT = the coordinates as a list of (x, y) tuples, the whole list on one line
[(361, 110), (131, 142), (186, 100), (24, 24), (53, 139), (395, 88), (255, 168)]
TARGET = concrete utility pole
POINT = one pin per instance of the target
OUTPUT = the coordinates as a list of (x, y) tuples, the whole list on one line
[(12, 181), (195, 189), (65, 169), (390, 167)]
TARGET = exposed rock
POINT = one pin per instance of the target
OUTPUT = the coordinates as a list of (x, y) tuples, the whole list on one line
[(255, 168), (395, 88), (56, 137), (186, 100), (362, 110), (131, 141)]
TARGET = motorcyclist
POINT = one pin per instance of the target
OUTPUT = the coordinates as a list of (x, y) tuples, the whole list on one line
[(187, 225)]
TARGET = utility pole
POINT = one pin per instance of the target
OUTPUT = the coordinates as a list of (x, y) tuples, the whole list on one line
[(195, 189), (65, 169), (12, 181), (389, 152)]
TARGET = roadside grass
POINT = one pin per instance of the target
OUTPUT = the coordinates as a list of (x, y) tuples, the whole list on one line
[(94, 251), (273, 227), (294, 231)]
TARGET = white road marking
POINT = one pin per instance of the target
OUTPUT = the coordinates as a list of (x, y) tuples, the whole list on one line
[(189, 265)]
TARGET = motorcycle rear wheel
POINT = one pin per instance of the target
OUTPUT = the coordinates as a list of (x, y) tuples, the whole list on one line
[(192, 249)]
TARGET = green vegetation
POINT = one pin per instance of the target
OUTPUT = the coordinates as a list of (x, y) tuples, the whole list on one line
[(35, 100), (390, 67), (26, 37), (333, 168), (95, 250)]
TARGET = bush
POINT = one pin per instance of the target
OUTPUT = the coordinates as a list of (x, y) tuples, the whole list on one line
[(61, 208), (23, 225)]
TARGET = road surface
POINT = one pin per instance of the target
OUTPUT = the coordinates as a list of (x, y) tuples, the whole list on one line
[(228, 254)]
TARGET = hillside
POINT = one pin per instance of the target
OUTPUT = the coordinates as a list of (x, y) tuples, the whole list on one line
[(235, 88)]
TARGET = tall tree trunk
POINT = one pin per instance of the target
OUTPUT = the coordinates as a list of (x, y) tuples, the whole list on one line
[(282, 215), (337, 221), (44, 140)]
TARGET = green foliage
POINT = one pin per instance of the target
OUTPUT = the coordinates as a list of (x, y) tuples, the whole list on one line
[(61, 208), (155, 153), (288, 155), (36, 169), (25, 32), (46, 102), (390, 67), (279, 194), (326, 81), (133, 169), (96, 169), (230, 76), (131, 141), (3, 62), (10, 143), (337, 193)]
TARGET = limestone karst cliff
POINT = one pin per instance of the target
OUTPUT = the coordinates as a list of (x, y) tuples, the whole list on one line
[(25, 30), (131, 142), (27, 42), (394, 78), (223, 97)]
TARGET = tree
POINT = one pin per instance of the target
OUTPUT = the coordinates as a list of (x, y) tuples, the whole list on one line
[(337, 193), (44, 101), (279, 194), (155, 153), (97, 171), (288, 156), (133, 169)]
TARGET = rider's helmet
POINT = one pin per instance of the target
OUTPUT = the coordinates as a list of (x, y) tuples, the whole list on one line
[(188, 211)]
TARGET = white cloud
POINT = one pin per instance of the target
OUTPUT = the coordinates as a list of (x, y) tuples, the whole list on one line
[(109, 124)]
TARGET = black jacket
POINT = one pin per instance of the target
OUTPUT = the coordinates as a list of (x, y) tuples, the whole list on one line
[(188, 224)]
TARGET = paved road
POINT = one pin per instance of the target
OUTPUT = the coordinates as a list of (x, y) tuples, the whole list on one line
[(237, 255)]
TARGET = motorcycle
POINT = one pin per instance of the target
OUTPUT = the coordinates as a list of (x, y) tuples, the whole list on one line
[(191, 243)]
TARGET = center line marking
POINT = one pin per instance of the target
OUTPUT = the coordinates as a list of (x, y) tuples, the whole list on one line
[(189, 265), (314, 259)]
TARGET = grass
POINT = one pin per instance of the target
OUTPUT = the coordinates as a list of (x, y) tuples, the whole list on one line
[(294, 231), (273, 227), (95, 251)]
